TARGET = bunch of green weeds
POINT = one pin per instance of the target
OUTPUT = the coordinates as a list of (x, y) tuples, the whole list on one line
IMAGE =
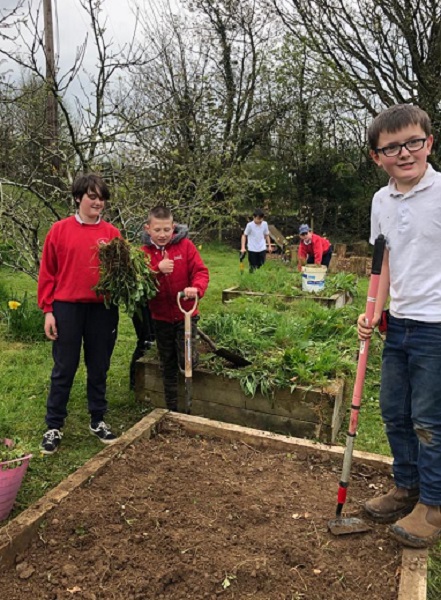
[(125, 277)]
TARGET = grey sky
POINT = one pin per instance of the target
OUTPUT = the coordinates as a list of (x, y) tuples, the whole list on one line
[(71, 25)]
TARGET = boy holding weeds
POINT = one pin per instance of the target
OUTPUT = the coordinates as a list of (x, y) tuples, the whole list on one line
[(178, 267), (408, 213), (74, 315)]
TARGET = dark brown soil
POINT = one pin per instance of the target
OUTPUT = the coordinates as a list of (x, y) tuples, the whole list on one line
[(180, 517)]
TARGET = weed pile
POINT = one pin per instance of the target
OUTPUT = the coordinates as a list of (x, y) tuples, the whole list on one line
[(125, 277)]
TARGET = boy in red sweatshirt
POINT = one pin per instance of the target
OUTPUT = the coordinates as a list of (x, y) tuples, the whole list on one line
[(74, 315), (179, 267)]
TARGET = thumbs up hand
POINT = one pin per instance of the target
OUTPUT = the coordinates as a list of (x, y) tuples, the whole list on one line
[(166, 265)]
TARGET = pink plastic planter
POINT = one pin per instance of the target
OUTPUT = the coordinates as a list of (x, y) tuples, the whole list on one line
[(10, 480)]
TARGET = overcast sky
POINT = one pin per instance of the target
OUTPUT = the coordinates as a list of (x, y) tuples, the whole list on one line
[(71, 24)]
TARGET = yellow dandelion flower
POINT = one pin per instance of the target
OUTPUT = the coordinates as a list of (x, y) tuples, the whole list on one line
[(13, 304), (200, 247)]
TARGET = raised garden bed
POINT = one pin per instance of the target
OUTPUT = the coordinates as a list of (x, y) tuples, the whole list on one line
[(206, 510), (308, 412), (358, 265), (337, 300)]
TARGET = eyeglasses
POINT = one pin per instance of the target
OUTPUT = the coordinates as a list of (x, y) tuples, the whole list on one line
[(303, 234), (395, 149)]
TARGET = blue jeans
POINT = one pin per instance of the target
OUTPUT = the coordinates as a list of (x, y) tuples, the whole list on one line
[(410, 400)]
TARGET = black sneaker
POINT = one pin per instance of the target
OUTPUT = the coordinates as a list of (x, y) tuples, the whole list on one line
[(102, 432), (51, 441)]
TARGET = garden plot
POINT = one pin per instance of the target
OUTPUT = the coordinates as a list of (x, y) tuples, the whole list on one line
[(281, 282), (294, 384), (336, 300), (203, 510)]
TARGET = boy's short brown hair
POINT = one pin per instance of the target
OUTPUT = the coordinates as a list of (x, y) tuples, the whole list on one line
[(395, 118), (160, 212), (91, 182)]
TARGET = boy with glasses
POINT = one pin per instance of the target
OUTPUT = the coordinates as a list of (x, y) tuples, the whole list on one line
[(74, 315), (408, 213), (313, 249)]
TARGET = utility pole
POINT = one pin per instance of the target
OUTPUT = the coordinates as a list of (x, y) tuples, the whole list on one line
[(51, 102)]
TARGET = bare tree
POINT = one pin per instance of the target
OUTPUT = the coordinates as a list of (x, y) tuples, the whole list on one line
[(203, 105), (385, 52), (33, 194)]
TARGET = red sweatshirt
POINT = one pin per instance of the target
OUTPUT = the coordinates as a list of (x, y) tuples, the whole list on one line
[(189, 271), (316, 248), (69, 265)]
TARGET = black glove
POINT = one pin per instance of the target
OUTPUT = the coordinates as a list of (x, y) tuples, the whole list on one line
[(242, 256)]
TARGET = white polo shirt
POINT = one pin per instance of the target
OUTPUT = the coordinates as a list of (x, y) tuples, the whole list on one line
[(411, 224), (256, 236)]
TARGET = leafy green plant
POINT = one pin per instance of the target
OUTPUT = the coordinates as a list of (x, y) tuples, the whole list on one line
[(340, 282), (24, 320), (11, 450), (125, 277)]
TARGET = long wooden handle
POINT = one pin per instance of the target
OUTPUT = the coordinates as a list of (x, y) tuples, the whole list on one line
[(188, 357)]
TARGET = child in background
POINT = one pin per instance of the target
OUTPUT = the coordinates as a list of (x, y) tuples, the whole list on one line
[(74, 315), (256, 237), (313, 249), (408, 213), (179, 268)]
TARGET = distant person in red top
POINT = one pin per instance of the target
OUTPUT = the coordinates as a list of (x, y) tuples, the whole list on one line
[(179, 268), (313, 249), (74, 315)]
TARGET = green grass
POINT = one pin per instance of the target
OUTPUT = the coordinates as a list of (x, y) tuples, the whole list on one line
[(25, 370), (24, 385)]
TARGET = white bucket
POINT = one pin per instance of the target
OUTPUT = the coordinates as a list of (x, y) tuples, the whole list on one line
[(313, 278)]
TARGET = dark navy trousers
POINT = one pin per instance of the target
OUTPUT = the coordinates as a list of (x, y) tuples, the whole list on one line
[(145, 335), (94, 327), (170, 341)]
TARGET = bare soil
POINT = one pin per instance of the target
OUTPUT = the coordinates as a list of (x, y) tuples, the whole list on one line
[(182, 517)]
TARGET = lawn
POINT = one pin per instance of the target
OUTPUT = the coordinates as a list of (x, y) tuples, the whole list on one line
[(25, 369)]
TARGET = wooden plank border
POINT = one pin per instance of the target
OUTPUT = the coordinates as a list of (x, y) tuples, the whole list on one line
[(17, 534), (337, 300)]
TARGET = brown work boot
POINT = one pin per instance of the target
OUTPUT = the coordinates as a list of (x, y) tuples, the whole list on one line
[(397, 503), (419, 529)]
